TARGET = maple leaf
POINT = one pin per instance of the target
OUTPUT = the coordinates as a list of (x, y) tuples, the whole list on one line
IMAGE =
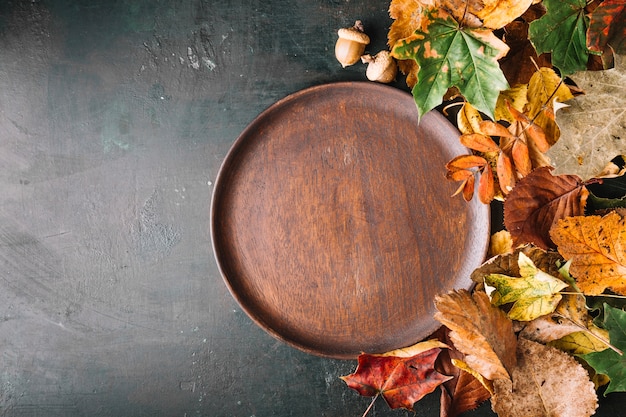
[(480, 331), (538, 201), (562, 32), (401, 376), (596, 247), (450, 55), (407, 17), (609, 362), (545, 383), (534, 294), (592, 125), (606, 26)]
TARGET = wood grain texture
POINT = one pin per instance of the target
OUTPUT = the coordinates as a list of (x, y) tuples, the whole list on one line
[(333, 226)]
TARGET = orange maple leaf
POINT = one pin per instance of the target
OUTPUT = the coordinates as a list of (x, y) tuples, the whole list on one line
[(597, 248)]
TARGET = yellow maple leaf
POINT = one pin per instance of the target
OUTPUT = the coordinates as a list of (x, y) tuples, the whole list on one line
[(498, 13), (597, 248), (408, 16)]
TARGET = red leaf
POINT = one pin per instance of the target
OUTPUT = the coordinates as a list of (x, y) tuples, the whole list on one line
[(606, 24), (538, 201), (402, 381)]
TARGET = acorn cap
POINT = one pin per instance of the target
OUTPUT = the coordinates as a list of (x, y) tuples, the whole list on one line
[(353, 34)]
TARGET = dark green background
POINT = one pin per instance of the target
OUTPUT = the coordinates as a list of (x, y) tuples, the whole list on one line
[(111, 303)]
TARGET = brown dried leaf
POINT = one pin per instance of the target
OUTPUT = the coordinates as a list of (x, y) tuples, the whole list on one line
[(597, 248), (507, 264), (545, 383), (538, 201), (463, 392), (569, 317), (480, 331)]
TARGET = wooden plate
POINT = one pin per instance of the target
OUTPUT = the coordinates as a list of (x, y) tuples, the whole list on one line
[(333, 224)]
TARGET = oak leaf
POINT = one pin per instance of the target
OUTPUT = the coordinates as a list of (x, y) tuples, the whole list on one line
[(402, 377), (532, 295), (448, 55), (480, 331), (562, 32), (597, 249), (538, 201), (609, 362), (545, 383)]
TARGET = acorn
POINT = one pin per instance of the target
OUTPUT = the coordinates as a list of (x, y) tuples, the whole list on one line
[(351, 44), (381, 67)]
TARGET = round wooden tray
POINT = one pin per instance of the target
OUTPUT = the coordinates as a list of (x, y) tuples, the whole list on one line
[(333, 224)]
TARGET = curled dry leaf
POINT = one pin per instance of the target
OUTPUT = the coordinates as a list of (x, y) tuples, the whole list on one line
[(545, 383), (597, 249), (480, 331), (507, 264), (538, 201), (464, 391)]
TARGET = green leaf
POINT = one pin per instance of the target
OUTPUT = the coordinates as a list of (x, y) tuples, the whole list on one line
[(609, 362), (562, 31), (534, 294), (449, 55)]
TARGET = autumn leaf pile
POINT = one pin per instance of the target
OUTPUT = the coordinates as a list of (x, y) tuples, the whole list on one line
[(544, 328)]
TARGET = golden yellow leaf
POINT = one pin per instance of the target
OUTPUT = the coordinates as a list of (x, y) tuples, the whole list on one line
[(500, 243), (516, 96), (468, 119), (408, 17), (415, 349), (544, 87), (462, 365), (498, 13), (597, 248), (583, 342)]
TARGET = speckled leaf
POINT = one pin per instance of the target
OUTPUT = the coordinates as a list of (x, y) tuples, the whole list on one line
[(450, 55), (593, 127), (608, 362), (534, 294), (562, 31), (545, 382), (597, 248)]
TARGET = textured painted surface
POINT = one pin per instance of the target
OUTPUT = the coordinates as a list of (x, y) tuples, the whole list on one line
[(114, 119)]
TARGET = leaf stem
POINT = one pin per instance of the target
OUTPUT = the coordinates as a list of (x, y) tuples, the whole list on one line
[(592, 334), (370, 406)]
